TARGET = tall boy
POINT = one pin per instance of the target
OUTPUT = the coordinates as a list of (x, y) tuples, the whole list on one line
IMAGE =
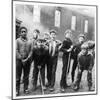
[(66, 49), (23, 48)]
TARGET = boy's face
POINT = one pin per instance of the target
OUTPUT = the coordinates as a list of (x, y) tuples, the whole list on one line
[(53, 35), (68, 35), (84, 51), (23, 33), (35, 34), (81, 39)]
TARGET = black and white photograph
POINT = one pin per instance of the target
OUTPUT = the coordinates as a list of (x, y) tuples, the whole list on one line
[(54, 49)]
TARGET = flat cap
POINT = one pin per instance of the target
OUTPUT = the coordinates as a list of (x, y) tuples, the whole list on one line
[(82, 35), (68, 31), (91, 44), (84, 45), (53, 31)]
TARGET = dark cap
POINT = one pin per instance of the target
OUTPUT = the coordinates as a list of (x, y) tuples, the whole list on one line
[(81, 35), (53, 31), (36, 30)]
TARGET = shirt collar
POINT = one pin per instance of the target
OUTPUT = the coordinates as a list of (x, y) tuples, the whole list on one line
[(23, 39)]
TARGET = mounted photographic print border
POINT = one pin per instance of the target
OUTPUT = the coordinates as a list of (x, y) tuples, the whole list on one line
[(57, 24)]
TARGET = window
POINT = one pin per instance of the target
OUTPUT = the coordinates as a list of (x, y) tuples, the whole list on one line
[(57, 18), (73, 23), (86, 26), (36, 14)]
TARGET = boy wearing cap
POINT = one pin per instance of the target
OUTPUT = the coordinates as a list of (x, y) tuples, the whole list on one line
[(39, 63), (66, 49), (54, 45), (36, 33), (74, 54), (85, 62), (39, 56), (47, 38)]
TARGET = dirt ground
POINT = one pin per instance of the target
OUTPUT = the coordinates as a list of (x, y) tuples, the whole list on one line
[(83, 85)]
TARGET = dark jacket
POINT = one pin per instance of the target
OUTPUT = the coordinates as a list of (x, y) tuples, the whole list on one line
[(85, 62), (66, 45), (75, 51), (40, 52)]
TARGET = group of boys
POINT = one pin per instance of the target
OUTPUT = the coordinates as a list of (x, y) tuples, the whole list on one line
[(44, 53)]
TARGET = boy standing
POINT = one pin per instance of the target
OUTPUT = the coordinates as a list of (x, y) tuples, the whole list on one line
[(66, 49), (85, 62), (74, 54), (23, 48), (53, 52)]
